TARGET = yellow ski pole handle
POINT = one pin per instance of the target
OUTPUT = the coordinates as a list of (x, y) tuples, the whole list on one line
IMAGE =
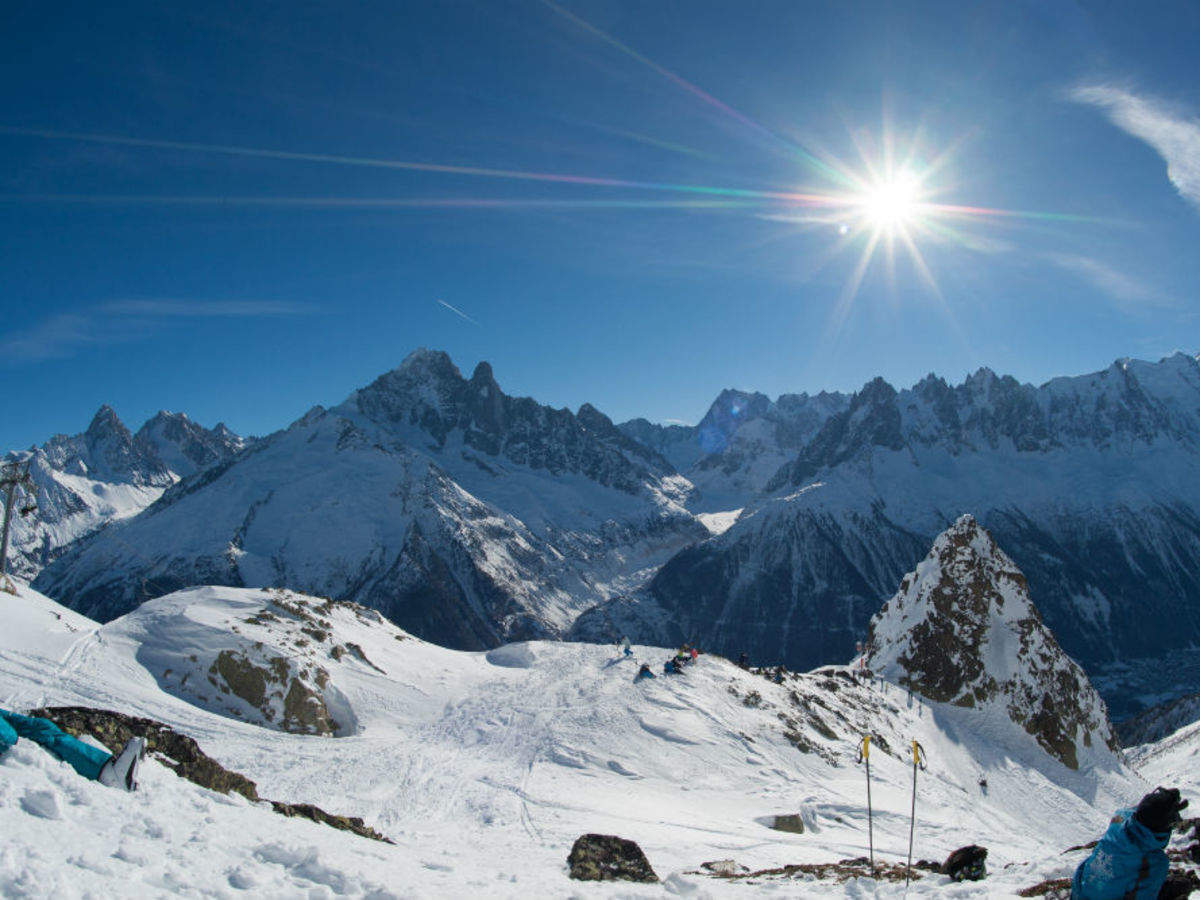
[(918, 753)]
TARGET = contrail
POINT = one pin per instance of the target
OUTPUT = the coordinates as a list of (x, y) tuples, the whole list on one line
[(458, 312)]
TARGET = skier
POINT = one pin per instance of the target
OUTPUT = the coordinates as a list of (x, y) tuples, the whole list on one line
[(625, 645), (111, 770), (643, 673), (743, 661), (1130, 859)]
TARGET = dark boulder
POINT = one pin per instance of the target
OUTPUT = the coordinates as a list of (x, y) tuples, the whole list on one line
[(606, 857), (966, 863), (1180, 883)]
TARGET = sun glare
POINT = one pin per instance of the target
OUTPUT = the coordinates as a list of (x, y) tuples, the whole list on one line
[(892, 203)]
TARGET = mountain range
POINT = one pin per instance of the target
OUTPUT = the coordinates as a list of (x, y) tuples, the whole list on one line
[(105, 474), (776, 528)]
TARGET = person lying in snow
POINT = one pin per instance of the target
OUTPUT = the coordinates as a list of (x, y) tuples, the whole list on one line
[(1130, 859), (112, 770), (643, 672), (672, 667)]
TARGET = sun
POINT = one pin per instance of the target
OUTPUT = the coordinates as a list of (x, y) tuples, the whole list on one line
[(891, 204)]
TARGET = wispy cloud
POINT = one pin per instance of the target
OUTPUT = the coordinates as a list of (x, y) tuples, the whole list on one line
[(1125, 290), (229, 309), (458, 312), (123, 321), (1172, 132)]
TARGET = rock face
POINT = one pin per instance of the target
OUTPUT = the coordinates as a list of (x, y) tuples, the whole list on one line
[(105, 474), (1091, 483), (606, 857), (466, 516), (962, 630)]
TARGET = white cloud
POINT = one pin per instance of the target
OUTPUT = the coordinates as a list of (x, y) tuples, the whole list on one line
[(122, 321), (1116, 285), (1173, 133), (236, 309)]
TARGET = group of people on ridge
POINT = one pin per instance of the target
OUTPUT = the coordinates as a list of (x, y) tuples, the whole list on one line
[(674, 666)]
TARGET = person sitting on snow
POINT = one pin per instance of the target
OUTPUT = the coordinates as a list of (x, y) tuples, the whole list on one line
[(672, 667), (1130, 859), (112, 770), (643, 673)]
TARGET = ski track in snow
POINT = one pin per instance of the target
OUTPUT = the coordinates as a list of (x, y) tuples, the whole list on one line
[(485, 767)]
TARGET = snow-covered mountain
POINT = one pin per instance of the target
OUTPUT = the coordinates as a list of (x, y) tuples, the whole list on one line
[(484, 767), (962, 630), (1158, 722), (739, 445), (107, 473), (1091, 484), (465, 515)]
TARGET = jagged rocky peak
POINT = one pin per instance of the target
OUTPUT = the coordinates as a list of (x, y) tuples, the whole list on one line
[(183, 445), (871, 420), (962, 630), (428, 392), (109, 453)]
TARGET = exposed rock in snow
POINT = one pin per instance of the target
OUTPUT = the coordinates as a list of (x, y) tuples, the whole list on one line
[(962, 630), (105, 474), (606, 857)]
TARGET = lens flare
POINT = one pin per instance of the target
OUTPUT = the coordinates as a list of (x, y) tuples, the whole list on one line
[(893, 202)]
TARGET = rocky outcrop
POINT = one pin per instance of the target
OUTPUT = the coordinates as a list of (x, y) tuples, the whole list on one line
[(962, 630), (184, 756), (284, 693), (606, 857)]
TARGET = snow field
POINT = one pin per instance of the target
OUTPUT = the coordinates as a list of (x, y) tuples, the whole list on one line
[(485, 767)]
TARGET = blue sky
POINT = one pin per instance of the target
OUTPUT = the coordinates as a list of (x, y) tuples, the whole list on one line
[(240, 210)]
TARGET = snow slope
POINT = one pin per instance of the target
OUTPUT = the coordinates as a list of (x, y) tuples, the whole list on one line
[(484, 767), (1172, 762)]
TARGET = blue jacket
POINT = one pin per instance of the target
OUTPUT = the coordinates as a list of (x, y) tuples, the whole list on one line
[(1129, 861)]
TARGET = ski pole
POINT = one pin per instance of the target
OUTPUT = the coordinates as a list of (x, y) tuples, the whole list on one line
[(918, 753), (864, 756)]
